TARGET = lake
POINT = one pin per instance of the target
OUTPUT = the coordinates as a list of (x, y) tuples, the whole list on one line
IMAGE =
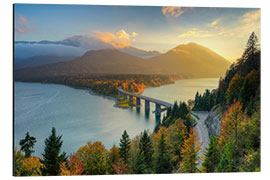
[(80, 116)]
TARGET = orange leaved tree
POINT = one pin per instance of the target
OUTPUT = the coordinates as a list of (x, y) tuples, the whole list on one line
[(189, 153), (74, 166)]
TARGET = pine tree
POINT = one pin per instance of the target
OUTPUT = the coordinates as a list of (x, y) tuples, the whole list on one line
[(140, 166), (189, 153), (163, 163), (146, 149), (125, 147), (251, 47), (27, 145), (211, 156), (51, 156), (228, 158)]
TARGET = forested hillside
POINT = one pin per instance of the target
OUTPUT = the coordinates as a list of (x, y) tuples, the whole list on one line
[(237, 147), (173, 147)]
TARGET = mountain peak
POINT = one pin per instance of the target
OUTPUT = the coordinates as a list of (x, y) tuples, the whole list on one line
[(191, 44)]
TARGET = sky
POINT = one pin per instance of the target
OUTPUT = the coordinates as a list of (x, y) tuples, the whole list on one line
[(224, 30)]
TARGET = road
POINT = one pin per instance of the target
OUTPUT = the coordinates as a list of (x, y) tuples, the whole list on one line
[(202, 132)]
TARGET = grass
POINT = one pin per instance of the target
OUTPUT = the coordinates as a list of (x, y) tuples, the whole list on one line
[(124, 103)]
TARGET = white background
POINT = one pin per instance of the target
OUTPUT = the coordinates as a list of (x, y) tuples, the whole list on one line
[(6, 83)]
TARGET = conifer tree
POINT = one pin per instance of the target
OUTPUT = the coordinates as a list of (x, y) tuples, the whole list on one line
[(51, 156), (27, 145), (163, 163), (228, 158), (140, 166), (146, 149), (189, 153), (211, 156), (125, 147)]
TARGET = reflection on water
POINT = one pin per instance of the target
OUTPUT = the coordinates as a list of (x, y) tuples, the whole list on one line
[(75, 113), (147, 113), (80, 116)]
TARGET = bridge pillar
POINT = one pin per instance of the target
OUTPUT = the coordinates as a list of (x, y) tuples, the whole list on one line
[(130, 98), (125, 96), (147, 105), (158, 109), (138, 102), (121, 94)]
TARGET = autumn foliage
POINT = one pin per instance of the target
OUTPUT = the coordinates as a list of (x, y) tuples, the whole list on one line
[(74, 166), (94, 157), (189, 153)]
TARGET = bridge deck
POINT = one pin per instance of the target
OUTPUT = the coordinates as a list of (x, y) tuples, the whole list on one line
[(162, 103)]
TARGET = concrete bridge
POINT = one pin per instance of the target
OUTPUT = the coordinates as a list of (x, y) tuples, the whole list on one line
[(147, 100)]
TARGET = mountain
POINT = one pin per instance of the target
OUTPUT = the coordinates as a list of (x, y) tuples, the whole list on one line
[(190, 59), (40, 60), (139, 52), (87, 43), (108, 61)]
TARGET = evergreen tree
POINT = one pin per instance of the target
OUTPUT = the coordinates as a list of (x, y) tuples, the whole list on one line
[(140, 166), (27, 145), (146, 149), (51, 156), (163, 163), (182, 110), (124, 147), (174, 109), (211, 156), (251, 47), (228, 158), (251, 162), (189, 153)]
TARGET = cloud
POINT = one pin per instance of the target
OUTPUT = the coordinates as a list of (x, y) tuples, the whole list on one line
[(134, 34), (120, 39), (251, 16), (172, 11), (22, 26), (194, 33), (214, 23), (22, 19)]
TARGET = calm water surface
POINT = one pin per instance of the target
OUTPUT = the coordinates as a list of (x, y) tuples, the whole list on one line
[(80, 116)]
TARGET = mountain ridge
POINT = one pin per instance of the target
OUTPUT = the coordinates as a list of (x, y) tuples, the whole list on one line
[(205, 63), (91, 43)]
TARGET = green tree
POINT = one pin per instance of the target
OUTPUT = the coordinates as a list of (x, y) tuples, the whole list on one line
[(182, 110), (163, 162), (250, 86), (212, 155), (124, 147), (94, 157), (51, 155), (255, 129), (251, 162), (234, 90), (251, 47), (146, 149), (140, 166), (228, 158), (27, 145)]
